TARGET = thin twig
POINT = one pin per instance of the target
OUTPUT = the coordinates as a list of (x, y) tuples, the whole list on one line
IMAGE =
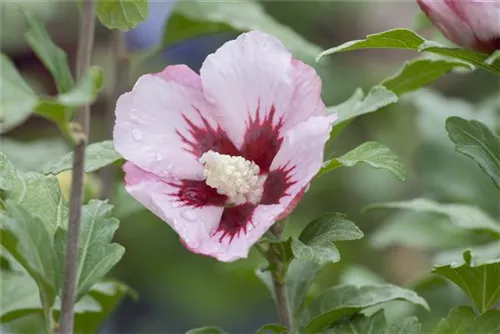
[(279, 286), (121, 75), (81, 131)]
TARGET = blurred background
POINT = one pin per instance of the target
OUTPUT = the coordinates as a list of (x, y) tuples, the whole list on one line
[(181, 290)]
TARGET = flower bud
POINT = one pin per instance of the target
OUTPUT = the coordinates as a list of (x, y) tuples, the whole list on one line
[(91, 185), (472, 24)]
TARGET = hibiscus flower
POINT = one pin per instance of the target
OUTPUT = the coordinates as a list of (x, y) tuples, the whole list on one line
[(473, 24), (223, 155)]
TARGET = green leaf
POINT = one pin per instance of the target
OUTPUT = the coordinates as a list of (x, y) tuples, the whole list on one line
[(19, 295), (29, 241), (19, 101), (22, 296), (475, 58), (86, 90), (413, 75), (345, 300), (481, 254), (391, 39), (85, 304), (122, 14), (408, 325), (299, 277), (407, 39), (264, 275), (29, 155), (375, 324), (272, 329), (60, 109), (316, 242), (464, 216), (17, 98), (36, 193), (462, 320), (359, 104), (97, 155), (494, 57), (371, 153), (108, 295), (420, 230), (477, 276), (475, 140), (191, 19), (282, 249), (53, 57), (55, 112), (96, 255), (418, 73), (206, 330)]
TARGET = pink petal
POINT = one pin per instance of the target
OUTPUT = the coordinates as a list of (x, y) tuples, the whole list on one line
[(238, 246), (484, 19), (448, 21), (163, 125), (249, 77), (298, 161), (193, 224), (206, 229)]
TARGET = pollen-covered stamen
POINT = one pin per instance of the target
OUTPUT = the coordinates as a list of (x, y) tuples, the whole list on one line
[(233, 176)]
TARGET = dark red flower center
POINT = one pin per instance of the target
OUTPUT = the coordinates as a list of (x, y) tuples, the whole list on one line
[(261, 143), (262, 140)]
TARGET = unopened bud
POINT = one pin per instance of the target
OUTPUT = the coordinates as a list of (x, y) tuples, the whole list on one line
[(472, 24)]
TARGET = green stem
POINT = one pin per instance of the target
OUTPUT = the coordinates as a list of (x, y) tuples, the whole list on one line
[(47, 313), (279, 285), (83, 120)]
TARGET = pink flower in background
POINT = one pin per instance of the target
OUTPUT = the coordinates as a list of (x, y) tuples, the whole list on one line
[(472, 24), (222, 156)]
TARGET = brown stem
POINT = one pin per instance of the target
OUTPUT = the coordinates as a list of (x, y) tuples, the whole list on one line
[(279, 286), (121, 72), (81, 130)]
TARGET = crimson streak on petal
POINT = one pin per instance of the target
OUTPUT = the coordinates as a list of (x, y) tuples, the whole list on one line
[(235, 220), (262, 139), (196, 193), (277, 183), (206, 138)]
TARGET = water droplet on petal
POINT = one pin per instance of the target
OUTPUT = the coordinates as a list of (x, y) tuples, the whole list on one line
[(176, 204), (136, 134), (158, 156), (250, 227), (189, 215), (133, 114)]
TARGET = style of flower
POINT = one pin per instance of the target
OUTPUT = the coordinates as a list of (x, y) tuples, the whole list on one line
[(223, 155), (473, 24)]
